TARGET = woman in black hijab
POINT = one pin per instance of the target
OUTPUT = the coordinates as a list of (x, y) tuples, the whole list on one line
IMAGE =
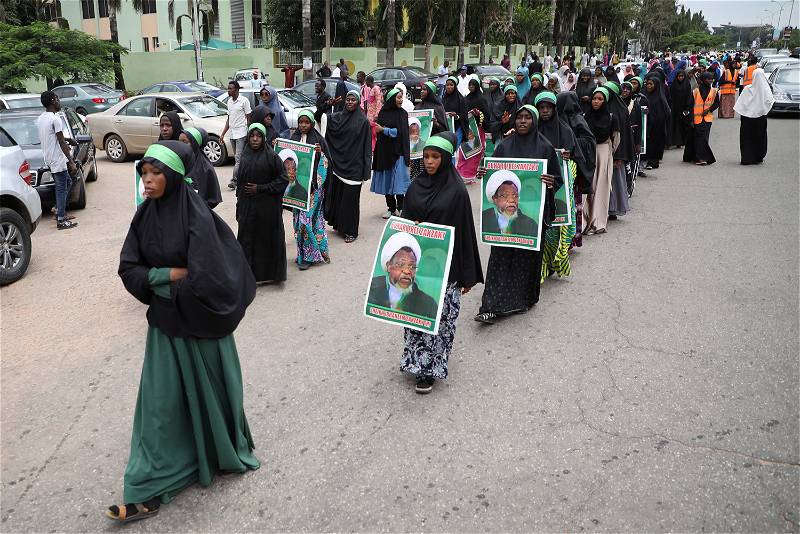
[(658, 113), (391, 160), (453, 104), (537, 86), (202, 173), (505, 112), (349, 138), (264, 115), (170, 126), (631, 100), (700, 108), (259, 199), (182, 260), (493, 98), (429, 100), (569, 110), (611, 75), (605, 128), (513, 275), (584, 88), (440, 197), (623, 155), (476, 108), (680, 92)]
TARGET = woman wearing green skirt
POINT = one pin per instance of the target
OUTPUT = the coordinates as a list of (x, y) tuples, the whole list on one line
[(183, 261)]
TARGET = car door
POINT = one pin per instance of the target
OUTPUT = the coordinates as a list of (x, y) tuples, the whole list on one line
[(67, 95), (170, 88), (77, 128), (134, 123)]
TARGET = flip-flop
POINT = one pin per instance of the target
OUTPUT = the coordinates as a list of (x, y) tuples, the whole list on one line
[(120, 513)]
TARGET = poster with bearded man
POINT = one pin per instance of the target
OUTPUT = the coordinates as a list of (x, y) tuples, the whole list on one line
[(409, 275), (298, 158), (513, 202)]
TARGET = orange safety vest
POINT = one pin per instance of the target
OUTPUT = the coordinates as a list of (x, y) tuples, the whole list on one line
[(727, 85), (747, 79), (701, 107)]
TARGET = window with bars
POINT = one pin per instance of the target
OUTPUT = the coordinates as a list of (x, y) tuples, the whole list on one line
[(380, 60), (155, 43), (258, 29), (146, 44), (148, 7), (87, 9), (474, 50), (450, 53), (52, 10), (102, 8), (419, 52), (215, 9)]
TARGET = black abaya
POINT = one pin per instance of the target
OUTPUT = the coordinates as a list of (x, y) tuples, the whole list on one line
[(586, 149), (658, 113), (753, 139), (204, 177), (260, 215), (680, 96)]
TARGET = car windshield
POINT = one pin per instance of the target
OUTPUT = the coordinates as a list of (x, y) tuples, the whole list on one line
[(788, 76), (22, 129), (200, 86), (98, 89), (27, 102), (418, 73), (204, 106), (295, 98), (493, 69)]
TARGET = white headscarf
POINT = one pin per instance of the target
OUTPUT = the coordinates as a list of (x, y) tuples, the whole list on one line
[(407, 105), (756, 100)]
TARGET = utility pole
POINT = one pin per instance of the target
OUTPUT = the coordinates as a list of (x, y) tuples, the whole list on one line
[(328, 31), (198, 62)]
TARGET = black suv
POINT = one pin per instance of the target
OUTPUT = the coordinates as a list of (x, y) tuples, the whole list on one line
[(412, 78)]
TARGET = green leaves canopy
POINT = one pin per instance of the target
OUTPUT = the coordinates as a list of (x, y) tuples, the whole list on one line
[(42, 52)]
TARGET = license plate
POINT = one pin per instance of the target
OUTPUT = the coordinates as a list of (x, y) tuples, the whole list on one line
[(113, 100)]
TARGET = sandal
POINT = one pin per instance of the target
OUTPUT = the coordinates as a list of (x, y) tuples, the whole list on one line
[(140, 511), (349, 238), (486, 317)]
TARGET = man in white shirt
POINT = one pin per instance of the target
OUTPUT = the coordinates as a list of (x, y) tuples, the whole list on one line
[(239, 110), (585, 60), (57, 155), (444, 70), (463, 81)]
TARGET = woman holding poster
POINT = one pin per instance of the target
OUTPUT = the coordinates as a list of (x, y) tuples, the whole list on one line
[(309, 226), (392, 158), (513, 275), (473, 147), (439, 197)]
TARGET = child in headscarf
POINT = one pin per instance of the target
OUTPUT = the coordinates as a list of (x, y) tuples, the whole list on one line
[(202, 173)]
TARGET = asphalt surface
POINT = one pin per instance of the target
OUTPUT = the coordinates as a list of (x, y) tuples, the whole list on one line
[(656, 389)]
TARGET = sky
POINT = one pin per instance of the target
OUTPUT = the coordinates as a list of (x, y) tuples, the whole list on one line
[(718, 12)]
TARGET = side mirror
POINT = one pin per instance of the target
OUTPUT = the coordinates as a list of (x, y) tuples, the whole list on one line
[(184, 117), (83, 138)]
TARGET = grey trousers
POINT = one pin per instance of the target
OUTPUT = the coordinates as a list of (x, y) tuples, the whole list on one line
[(238, 146)]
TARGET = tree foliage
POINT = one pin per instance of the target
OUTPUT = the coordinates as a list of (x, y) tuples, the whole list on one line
[(694, 41), (41, 51), (283, 20)]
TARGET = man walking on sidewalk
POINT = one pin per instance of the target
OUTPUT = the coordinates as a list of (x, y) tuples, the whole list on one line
[(57, 155), (238, 118)]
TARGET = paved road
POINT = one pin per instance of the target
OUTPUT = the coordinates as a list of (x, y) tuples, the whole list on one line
[(654, 390)]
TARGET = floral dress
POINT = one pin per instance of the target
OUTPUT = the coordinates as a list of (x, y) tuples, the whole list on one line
[(309, 226)]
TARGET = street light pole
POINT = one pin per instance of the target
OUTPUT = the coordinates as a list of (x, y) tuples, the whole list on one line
[(198, 62)]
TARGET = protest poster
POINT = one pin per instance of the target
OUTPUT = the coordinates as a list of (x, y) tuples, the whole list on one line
[(512, 203), (298, 158), (643, 150), (409, 274), (471, 146), (563, 195), (451, 123), (420, 126), (489, 146), (138, 186)]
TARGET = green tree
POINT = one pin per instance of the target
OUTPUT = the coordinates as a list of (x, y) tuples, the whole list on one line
[(284, 21), (531, 22), (40, 51), (208, 19)]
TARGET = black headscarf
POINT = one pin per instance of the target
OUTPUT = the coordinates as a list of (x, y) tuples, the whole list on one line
[(389, 149), (177, 127), (556, 130), (680, 92), (611, 74), (442, 198), (313, 137), (533, 145), (585, 150), (178, 230), (202, 173), (533, 92), (618, 108), (454, 102), (259, 114), (475, 100), (601, 122), (493, 98), (503, 106), (349, 138), (658, 110), (585, 88), (431, 101)]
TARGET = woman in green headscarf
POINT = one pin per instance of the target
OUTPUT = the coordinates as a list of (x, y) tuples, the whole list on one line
[(182, 261)]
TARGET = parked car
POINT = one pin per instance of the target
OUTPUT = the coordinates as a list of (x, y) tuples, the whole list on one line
[(785, 83), (292, 101), (20, 211), (773, 63), (187, 86), (488, 69), (86, 98), (20, 100), (412, 78), (21, 124), (129, 127), (307, 88), (251, 78)]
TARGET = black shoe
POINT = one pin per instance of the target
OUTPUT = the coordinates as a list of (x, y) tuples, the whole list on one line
[(424, 385), (66, 224), (304, 266), (487, 317), (643, 174), (232, 184), (612, 217)]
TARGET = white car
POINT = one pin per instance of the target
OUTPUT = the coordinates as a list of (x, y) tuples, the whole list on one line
[(293, 102), (20, 100), (251, 78), (20, 212)]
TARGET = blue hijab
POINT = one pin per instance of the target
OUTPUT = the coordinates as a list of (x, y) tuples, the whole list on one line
[(681, 66), (279, 122), (525, 85)]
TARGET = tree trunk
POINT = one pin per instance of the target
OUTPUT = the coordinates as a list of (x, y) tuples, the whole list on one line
[(482, 58), (428, 33), (462, 26), (390, 31), (306, 17), (119, 80), (552, 26), (510, 29)]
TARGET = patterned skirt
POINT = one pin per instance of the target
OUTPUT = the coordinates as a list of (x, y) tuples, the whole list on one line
[(558, 239), (310, 233), (426, 354)]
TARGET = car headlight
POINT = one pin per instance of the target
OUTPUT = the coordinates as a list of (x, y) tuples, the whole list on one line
[(45, 177), (780, 95)]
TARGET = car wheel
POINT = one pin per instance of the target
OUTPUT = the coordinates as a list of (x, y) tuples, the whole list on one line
[(115, 149), (80, 202), (216, 152), (93, 173), (81, 111), (15, 246)]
